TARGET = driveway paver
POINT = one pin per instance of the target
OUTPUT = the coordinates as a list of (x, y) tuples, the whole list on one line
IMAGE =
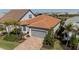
[(31, 43)]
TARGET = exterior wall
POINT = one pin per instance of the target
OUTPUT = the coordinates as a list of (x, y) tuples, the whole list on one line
[(27, 29), (26, 17), (38, 33), (56, 27)]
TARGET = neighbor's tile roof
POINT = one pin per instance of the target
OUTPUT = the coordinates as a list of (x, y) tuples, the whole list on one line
[(1, 15), (14, 14), (41, 21)]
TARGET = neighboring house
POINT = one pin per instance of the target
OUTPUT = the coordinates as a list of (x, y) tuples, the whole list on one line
[(16, 14), (39, 25), (1, 15), (73, 20)]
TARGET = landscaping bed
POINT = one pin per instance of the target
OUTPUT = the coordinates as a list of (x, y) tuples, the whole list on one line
[(11, 37), (57, 46)]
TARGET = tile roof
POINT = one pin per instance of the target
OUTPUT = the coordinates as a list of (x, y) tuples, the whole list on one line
[(14, 14), (41, 21)]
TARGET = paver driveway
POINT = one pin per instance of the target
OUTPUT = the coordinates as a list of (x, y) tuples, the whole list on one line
[(31, 43)]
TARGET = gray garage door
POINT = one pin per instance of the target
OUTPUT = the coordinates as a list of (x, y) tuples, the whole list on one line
[(38, 33)]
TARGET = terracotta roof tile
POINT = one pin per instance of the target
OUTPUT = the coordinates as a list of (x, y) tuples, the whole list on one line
[(42, 21)]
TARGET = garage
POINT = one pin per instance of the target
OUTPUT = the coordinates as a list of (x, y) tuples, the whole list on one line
[(38, 33)]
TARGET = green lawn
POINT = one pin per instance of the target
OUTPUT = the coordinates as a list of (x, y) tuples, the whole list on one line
[(7, 44)]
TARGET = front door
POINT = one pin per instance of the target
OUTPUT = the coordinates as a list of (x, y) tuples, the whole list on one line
[(25, 29)]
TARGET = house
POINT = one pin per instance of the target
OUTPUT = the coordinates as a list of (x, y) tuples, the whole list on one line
[(16, 14), (73, 20), (40, 25)]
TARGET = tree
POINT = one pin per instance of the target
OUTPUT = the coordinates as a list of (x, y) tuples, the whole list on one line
[(7, 23), (15, 23), (68, 30), (69, 27), (49, 38), (62, 22)]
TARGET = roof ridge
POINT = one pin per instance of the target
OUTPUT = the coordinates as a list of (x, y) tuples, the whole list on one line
[(37, 19)]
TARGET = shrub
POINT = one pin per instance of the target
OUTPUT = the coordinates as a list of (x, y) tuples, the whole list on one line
[(74, 41), (49, 38), (16, 31), (1, 29)]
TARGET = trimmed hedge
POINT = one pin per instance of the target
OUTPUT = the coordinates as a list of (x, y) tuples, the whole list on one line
[(1, 29)]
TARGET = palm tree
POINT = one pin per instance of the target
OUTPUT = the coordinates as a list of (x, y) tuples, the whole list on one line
[(68, 28)]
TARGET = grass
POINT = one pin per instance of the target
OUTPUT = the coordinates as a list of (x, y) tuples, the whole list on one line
[(11, 37), (7, 44)]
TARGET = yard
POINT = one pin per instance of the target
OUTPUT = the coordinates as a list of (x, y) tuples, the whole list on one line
[(8, 45)]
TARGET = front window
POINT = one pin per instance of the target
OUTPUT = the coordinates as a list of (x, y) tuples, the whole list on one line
[(30, 16), (24, 28)]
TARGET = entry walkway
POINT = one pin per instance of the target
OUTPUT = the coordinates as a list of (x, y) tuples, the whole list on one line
[(31, 43)]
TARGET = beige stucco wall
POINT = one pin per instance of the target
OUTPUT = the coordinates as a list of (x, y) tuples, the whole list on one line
[(56, 27)]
